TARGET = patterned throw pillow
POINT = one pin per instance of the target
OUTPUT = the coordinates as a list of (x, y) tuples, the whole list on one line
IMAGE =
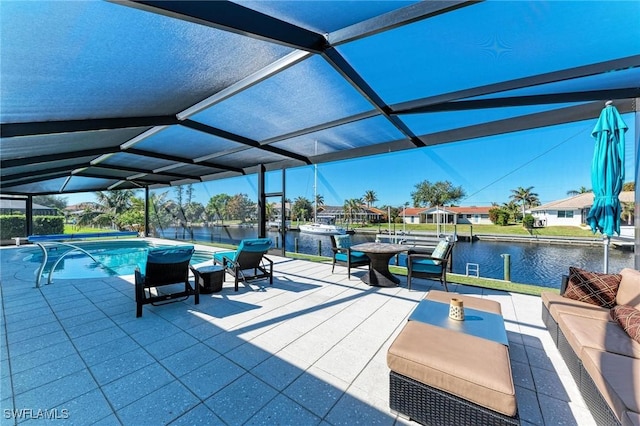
[(629, 320), (343, 241), (440, 249), (593, 287)]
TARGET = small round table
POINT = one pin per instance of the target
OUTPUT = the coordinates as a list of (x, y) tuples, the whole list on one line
[(380, 254)]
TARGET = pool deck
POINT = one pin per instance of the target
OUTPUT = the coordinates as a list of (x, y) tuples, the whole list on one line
[(311, 349)]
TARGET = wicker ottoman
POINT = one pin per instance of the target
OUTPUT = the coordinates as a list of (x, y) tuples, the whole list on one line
[(436, 380)]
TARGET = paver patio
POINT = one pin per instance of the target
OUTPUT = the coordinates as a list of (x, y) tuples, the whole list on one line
[(311, 349)]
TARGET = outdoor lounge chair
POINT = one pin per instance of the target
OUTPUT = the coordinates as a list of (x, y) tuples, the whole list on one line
[(434, 265), (247, 263), (165, 266), (343, 255)]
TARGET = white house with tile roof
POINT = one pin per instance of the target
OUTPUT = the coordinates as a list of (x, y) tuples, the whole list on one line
[(573, 211), (466, 215)]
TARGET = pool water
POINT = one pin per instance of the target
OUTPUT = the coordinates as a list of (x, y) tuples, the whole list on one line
[(114, 259)]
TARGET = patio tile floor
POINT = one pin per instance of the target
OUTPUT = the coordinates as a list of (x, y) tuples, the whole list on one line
[(311, 349)]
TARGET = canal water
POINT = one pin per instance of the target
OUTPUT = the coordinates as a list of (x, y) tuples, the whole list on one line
[(530, 263)]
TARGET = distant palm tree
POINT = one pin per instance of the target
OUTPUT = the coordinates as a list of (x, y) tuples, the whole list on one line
[(319, 200), (574, 192), (270, 209), (370, 197), (525, 197), (110, 205), (351, 208)]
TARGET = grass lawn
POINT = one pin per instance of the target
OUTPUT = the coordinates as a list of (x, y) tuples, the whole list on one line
[(513, 229), (73, 229)]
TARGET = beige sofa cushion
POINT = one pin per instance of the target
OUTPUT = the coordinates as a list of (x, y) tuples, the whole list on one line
[(629, 290), (617, 378), (583, 332), (557, 305), (441, 358), (631, 419), (473, 302)]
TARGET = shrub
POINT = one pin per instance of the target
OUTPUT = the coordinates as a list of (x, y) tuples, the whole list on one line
[(15, 225), (528, 221), (499, 216)]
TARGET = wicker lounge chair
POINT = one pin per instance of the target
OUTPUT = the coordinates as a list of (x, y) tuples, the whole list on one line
[(343, 255), (434, 265), (248, 262), (165, 266)]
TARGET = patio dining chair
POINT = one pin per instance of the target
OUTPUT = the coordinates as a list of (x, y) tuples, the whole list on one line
[(165, 266), (248, 262), (343, 255), (434, 265)]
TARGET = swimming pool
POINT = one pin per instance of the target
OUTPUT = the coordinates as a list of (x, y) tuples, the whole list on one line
[(114, 258)]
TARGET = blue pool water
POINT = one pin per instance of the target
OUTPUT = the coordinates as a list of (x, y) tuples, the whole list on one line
[(114, 258)]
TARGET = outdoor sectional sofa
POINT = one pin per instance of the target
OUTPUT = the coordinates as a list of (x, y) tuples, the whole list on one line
[(602, 353)]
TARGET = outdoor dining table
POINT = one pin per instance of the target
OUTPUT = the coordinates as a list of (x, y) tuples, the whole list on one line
[(380, 254)]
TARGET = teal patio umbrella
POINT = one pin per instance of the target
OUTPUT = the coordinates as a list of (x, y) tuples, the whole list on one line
[(607, 175)]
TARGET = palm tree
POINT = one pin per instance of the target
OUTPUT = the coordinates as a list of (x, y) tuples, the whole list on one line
[(370, 197), (270, 209), (351, 207), (525, 197), (110, 205), (574, 192)]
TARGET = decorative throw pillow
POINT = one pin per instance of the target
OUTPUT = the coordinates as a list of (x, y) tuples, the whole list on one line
[(343, 241), (629, 319), (440, 249), (593, 287)]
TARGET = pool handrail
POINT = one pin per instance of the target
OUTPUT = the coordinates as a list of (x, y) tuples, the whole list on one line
[(56, 239), (45, 258)]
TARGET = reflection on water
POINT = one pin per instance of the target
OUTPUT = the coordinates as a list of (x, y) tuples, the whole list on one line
[(530, 263)]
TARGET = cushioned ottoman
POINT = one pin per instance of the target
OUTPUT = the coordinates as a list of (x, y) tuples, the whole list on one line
[(435, 379), (473, 302)]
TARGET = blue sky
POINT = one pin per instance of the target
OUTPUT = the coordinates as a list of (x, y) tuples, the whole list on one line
[(553, 160)]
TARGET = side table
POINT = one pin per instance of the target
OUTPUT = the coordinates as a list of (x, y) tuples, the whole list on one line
[(209, 278)]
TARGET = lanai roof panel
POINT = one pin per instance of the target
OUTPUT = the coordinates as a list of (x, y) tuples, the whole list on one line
[(93, 59), (306, 94), (493, 42)]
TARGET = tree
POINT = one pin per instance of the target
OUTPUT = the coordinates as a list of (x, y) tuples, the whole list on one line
[(159, 214), (351, 207), (370, 197), (526, 197), (301, 209), (133, 218), (574, 192), (216, 208), (436, 194), (270, 209), (512, 210), (241, 207), (194, 211), (110, 205), (319, 200)]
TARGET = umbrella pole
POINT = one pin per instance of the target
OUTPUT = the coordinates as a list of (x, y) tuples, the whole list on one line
[(606, 242)]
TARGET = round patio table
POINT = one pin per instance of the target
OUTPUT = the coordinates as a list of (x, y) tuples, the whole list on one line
[(380, 254)]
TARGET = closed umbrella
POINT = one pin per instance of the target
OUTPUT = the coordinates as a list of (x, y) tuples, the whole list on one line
[(607, 175)]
